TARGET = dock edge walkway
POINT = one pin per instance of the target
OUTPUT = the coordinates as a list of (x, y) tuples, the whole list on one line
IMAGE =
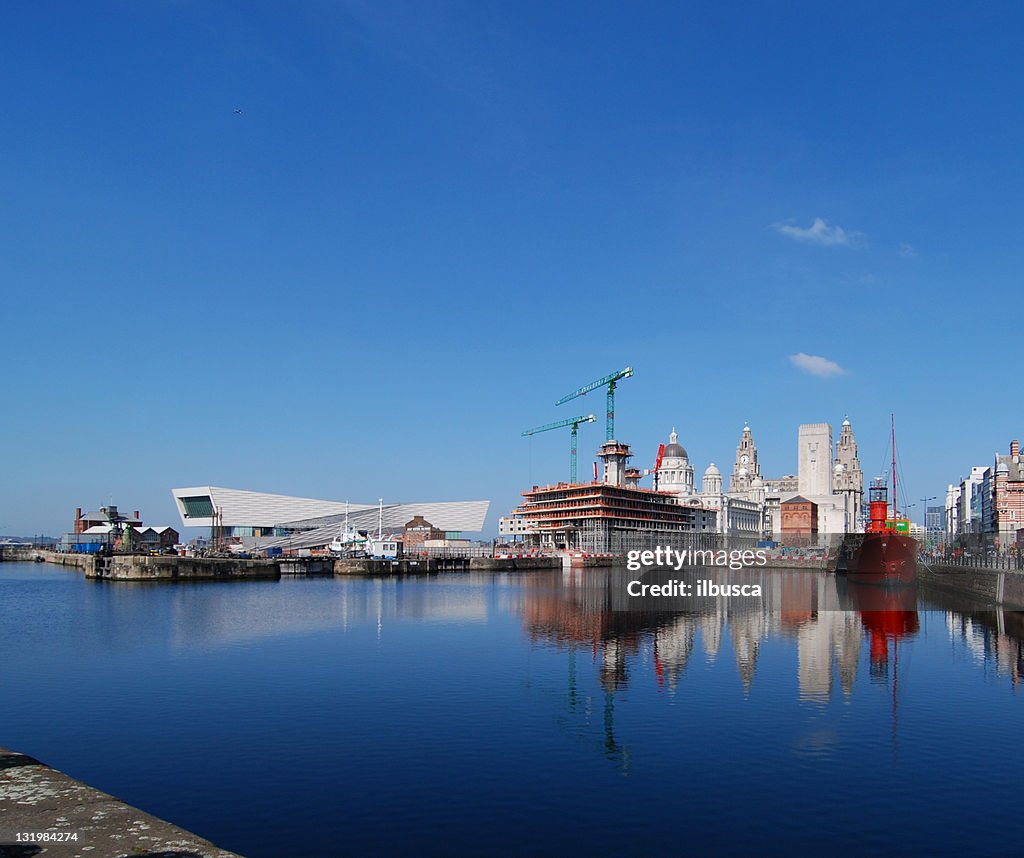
[(35, 798)]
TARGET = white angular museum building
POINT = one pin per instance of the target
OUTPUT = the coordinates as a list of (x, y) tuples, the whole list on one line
[(259, 519)]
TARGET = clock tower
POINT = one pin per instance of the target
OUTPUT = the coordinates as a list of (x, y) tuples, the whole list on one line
[(847, 477), (746, 469)]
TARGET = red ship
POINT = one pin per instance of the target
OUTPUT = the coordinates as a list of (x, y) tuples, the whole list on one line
[(888, 554)]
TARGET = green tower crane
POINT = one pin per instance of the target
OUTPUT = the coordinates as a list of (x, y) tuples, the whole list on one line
[(574, 422), (610, 381)]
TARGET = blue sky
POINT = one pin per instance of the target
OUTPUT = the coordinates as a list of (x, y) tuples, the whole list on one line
[(431, 220)]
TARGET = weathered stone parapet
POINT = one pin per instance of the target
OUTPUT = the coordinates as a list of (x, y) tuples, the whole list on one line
[(38, 800), (172, 568)]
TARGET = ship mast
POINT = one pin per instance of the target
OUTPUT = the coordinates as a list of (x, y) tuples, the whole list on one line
[(895, 513)]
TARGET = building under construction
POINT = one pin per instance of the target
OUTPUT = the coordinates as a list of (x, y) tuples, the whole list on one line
[(612, 514)]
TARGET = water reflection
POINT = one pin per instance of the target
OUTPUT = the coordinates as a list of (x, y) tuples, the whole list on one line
[(826, 617), (356, 692), (994, 637)]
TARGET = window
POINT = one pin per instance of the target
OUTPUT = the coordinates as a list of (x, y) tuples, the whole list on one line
[(198, 507)]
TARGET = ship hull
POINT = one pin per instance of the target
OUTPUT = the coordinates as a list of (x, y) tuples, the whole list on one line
[(884, 558)]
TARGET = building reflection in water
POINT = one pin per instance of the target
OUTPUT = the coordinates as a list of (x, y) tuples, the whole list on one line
[(994, 637), (827, 618)]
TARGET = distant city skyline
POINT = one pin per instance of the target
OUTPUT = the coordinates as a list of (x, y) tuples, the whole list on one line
[(352, 251)]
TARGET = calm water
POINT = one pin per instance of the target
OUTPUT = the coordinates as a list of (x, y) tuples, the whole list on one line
[(522, 714)]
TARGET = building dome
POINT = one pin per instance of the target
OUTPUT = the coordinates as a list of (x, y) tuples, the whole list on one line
[(742, 472), (839, 468), (846, 421), (712, 471), (1003, 468), (674, 448)]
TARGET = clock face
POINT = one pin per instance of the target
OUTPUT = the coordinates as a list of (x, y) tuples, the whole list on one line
[(744, 459)]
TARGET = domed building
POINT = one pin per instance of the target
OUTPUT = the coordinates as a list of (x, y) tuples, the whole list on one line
[(733, 516), (712, 482), (675, 473)]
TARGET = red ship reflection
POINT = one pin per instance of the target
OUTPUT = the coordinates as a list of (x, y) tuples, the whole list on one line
[(888, 614)]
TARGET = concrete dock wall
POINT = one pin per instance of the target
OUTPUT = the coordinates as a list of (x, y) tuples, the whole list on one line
[(419, 566), (36, 799), (138, 568), (989, 585), (29, 555), (135, 567)]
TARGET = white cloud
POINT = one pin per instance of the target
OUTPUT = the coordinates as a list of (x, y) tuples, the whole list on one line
[(816, 365), (907, 250), (820, 233)]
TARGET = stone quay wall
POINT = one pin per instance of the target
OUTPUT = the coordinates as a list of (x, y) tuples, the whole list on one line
[(171, 568), (988, 585), (72, 819)]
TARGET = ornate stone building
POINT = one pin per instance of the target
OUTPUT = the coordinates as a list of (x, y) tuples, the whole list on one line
[(835, 490), (748, 484), (675, 473), (1008, 497), (847, 477), (746, 469), (735, 516)]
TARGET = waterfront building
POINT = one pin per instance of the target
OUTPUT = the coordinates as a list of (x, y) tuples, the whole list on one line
[(970, 506), (746, 468), (159, 538), (418, 531), (847, 477), (816, 472), (814, 455), (611, 515), (987, 508), (104, 536), (934, 519), (799, 521), (516, 525), (260, 520), (952, 512), (675, 474), (735, 516), (1008, 498), (834, 486), (985, 492), (105, 515), (102, 528), (748, 484)]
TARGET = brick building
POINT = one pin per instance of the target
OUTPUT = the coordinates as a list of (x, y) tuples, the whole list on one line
[(799, 519), (105, 515), (417, 531), (1008, 496)]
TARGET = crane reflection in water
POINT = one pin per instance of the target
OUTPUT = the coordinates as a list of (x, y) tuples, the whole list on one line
[(835, 624), (589, 610)]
